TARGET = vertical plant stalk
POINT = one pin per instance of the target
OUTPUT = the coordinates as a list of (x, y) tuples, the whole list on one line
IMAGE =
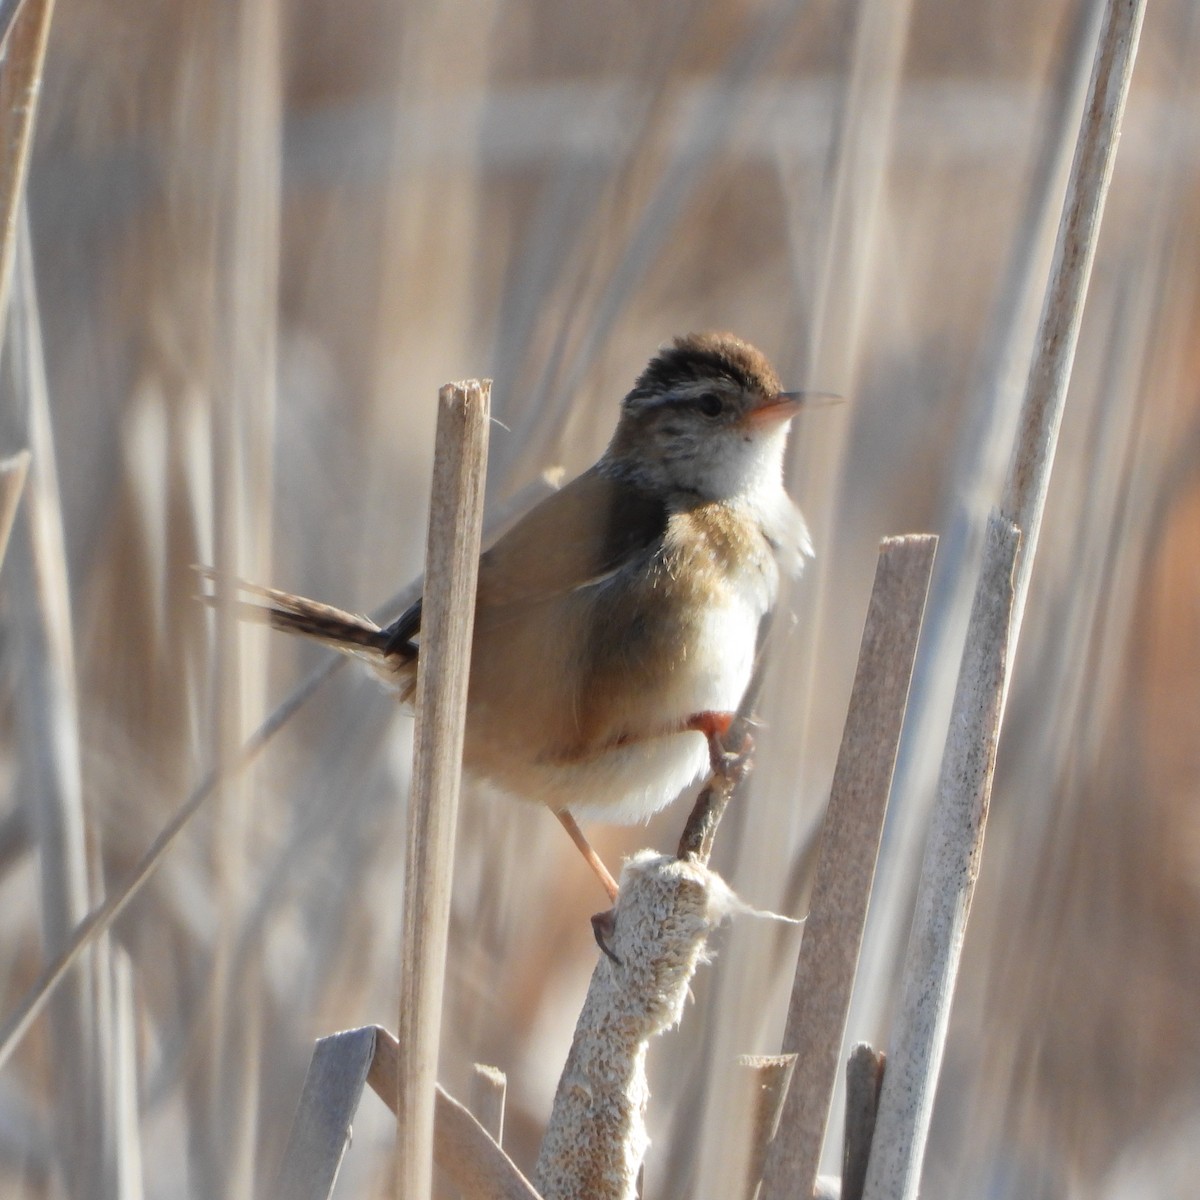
[(1062, 312), (833, 931), (947, 877), (20, 82), (13, 471), (980, 461), (49, 760), (447, 622), (956, 834), (247, 165)]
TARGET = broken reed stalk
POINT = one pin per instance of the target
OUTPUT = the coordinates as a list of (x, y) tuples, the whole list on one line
[(447, 621), (864, 1078), (762, 1080), (486, 1095), (342, 1064), (833, 930), (466, 1152), (955, 840)]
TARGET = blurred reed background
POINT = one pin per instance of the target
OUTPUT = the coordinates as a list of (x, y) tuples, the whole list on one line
[(261, 235)]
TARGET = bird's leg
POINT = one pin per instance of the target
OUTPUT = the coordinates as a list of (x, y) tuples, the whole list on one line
[(590, 856), (726, 761)]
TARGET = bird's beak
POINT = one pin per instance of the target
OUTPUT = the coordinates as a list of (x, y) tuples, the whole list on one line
[(783, 406)]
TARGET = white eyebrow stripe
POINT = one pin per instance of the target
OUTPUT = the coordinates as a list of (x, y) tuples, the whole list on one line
[(686, 393)]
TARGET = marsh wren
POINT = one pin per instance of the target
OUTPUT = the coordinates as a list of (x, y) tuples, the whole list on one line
[(615, 624)]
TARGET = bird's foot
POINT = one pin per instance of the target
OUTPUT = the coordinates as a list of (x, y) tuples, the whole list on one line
[(730, 743)]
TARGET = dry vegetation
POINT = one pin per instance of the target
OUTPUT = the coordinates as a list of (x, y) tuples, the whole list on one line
[(260, 236)]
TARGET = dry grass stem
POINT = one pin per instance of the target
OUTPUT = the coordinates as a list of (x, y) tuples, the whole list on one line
[(825, 970), (447, 619), (977, 469)]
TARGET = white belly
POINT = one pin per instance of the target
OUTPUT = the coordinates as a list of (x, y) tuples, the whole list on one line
[(629, 783)]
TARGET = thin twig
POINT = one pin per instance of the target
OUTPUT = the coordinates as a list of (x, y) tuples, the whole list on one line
[(448, 615), (833, 931), (700, 829)]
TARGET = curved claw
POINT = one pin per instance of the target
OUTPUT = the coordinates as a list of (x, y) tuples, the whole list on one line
[(604, 927)]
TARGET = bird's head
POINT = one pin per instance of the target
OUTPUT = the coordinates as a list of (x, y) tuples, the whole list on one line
[(706, 418)]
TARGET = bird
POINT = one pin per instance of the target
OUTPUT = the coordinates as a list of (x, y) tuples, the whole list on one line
[(615, 624)]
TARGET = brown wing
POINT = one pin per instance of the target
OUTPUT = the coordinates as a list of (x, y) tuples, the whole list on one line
[(532, 698), (580, 536)]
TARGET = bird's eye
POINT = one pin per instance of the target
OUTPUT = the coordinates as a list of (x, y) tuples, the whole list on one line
[(710, 405)]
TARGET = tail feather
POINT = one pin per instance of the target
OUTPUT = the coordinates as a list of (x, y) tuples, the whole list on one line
[(348, 632)]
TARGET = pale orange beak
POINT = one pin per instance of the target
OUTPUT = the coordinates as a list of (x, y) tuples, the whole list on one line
[(785, 405)]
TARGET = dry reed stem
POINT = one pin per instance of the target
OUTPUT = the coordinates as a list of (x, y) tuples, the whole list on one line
[(100, 918), (81, 1041), (1032, 459), (978, 465), (447, 621), (956, 836), (825, 969), (13, 471), (20, 82), (947, 877)]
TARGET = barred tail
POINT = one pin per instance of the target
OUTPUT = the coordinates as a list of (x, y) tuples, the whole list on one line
[(348, 632)]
